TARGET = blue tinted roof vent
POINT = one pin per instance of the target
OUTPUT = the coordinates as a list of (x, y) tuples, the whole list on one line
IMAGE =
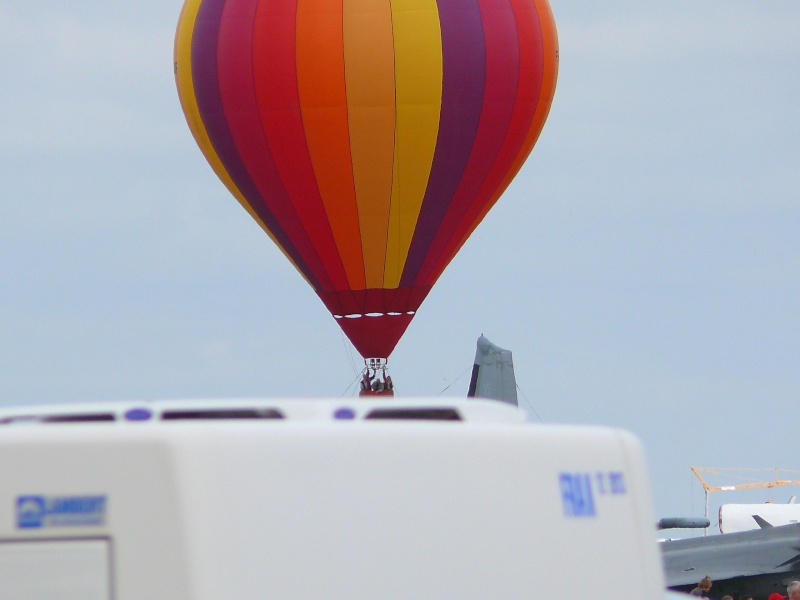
[(344, 413), (138, 414)]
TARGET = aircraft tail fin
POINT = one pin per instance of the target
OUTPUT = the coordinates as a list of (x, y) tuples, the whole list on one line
[(763, 523), (493, 374)]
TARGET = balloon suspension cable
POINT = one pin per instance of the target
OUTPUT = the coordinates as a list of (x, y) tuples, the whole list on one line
[(375, 378)]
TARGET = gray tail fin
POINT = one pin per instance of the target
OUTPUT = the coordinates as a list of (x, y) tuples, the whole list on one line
[(763, 523), (493, 374)]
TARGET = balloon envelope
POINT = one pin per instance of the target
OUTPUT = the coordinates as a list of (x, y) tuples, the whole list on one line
[(368, 138)]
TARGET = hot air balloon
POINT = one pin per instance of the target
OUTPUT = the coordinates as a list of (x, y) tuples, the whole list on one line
[(368, 138)]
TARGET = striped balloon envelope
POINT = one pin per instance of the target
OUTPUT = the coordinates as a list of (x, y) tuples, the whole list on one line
[(368, 138)]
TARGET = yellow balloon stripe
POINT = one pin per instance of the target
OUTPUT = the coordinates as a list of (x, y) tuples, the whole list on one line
[(185, 85), (418, 81), (369, 71)]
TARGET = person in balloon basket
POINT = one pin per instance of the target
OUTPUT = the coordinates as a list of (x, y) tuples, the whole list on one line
[(366, 381)]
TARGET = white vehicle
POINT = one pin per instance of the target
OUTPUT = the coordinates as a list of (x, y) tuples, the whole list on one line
[(344, 499)]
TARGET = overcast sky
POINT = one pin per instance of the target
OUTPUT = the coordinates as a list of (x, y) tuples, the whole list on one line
[(644, 268)]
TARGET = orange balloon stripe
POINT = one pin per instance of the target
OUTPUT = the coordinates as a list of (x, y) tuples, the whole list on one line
[(549, 76), (323, 104), (369, 73), (279, 106)]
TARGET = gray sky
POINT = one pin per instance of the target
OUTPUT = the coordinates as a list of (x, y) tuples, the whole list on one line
[(644, 267)]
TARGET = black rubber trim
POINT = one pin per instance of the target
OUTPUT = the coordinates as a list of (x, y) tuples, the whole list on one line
[(221, 414), (79, 418), (415, 414)]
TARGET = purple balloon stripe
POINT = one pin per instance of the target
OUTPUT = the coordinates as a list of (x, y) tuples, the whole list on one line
[(235, 66), (464, 69), (209, 102), (500, 93)]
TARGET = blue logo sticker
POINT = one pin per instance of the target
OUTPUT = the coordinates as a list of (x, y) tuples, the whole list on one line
[(576, 495), (578, 490), (60, 511), (30, 511)]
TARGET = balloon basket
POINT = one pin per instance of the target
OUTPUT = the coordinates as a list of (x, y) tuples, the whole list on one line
[(375, 378), (370, 393)]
